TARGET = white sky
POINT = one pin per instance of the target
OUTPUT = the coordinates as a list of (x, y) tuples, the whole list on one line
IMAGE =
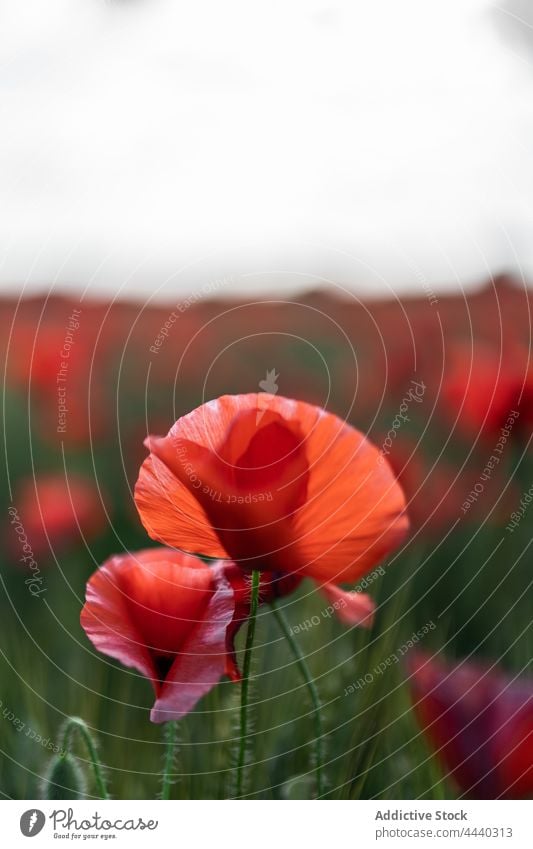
[(152, 146)]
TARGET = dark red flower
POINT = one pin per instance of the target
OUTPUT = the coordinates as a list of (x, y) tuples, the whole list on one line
[(166, 614), (480, 723)]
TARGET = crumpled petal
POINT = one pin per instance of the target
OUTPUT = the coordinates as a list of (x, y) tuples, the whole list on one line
[(201, 662), (166, 614)]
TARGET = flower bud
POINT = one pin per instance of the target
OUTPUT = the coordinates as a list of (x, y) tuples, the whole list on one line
[(64, 779)]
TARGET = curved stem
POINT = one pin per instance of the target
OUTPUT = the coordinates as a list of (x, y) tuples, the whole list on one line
[(171, 731), (245, 685), (313, 693), (75, 723)]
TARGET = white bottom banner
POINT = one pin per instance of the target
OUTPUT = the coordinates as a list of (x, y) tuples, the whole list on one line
[(256, 824)]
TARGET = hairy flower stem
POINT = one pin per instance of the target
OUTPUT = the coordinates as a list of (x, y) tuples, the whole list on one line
[(76, 724), (313, 693), (171, 734), (245, 684)]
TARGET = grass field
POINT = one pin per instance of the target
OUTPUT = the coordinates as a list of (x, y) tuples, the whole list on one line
[(459, 586)]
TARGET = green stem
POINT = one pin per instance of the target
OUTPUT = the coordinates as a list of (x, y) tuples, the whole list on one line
[(245, 685), (313, 693), (171, 732), (75, 723)]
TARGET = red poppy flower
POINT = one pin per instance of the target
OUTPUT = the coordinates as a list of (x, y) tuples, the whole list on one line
[(166, 614), (481, 724), (273, 484), (56, 511)]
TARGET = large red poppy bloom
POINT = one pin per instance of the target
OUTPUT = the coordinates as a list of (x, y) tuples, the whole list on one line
[(166, 614), (273, 484), (480, 723)]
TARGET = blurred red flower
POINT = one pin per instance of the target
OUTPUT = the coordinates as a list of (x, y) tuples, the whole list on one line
[(273, 484), (482, 387), (57, 511), (44, 363), (166, 614), (480, 722)]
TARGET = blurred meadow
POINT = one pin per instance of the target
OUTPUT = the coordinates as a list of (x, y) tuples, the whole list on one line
[(460, 585)]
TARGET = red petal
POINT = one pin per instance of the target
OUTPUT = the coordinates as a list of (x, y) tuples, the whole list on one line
[(201, 662), (247, 481), (169, 511), (106, 621), (352, 608), (354, 514), (171, 514), (166, 597)]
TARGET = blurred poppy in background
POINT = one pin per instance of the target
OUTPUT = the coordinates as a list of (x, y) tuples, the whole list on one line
[(58, 511), (483, 386), (480, 723)]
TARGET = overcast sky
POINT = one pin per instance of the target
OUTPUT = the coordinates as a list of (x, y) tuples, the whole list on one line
[(157, 146)]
